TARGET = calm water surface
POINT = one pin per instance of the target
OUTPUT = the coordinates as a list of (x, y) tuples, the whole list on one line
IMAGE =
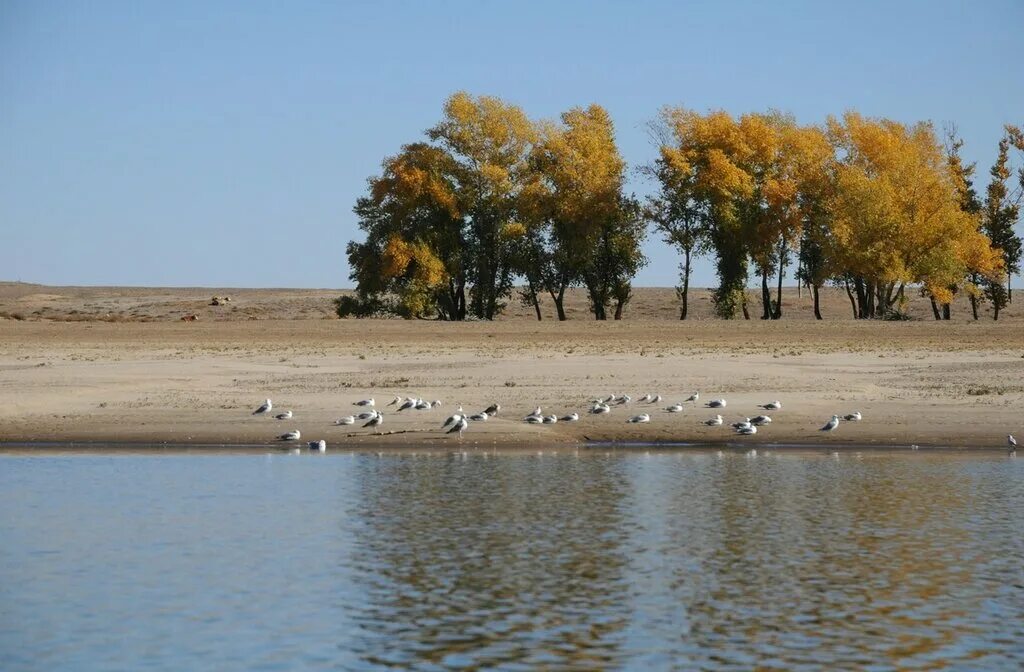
[(519, 561)]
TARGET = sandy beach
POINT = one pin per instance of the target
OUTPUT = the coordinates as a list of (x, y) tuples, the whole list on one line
[(958, 384)]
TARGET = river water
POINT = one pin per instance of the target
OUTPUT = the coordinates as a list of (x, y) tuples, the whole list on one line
[(531, 560)]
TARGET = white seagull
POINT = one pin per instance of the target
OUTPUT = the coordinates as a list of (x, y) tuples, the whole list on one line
[(716, 403), (656, 399), (319, 446), (695, 397), (347, 420), (460, 426), (644, 399), (536, 416), (853, 417), (408, 403), (747, 431), (264, 408), (455, 417), (479, 417), (771, 405), (549, 419), (742, 425), (714, 422), (367, 415), (598, 409), (287, 415), (831, 424), (364, 402), (761, 420), (1011, 444), (436, 403), (572, 417), (376, 421), (423, 405), (643, 417), (492, 409), (675, 408), (395, 400), (293, 435)]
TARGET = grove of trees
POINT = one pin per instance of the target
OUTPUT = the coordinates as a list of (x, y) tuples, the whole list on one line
[(492, 204)]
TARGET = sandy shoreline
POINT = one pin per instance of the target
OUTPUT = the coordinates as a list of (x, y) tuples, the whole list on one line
[(930, 384)]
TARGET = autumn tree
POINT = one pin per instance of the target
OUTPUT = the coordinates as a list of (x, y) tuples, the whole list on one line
[(676, 210), (413, 260), (963, 177), (575, 214), (709, 154), (488, 141), (897, 217)]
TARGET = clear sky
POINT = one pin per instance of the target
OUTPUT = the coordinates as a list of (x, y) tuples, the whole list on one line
[(224, 144)]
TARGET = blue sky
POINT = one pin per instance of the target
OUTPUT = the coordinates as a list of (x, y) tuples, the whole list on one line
[(224, 144)]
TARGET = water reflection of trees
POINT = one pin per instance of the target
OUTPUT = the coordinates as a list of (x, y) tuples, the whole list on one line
[(804, 560), (480, 561)]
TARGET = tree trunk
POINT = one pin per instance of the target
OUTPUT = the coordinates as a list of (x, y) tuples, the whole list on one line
[(862, 301), (746, 310), (945, 311), (766, 297), (619, 305), (782, 269), (1009, 289), (817, 305), (935, 309), (974, 307), (853, 302), (686, 285)]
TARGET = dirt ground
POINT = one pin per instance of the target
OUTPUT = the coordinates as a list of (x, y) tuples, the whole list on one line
[(149, 377)]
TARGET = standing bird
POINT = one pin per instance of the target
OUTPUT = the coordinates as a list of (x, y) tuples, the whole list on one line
[(454, 418), (572, 417), (831, 424), (643, 417), (364, 402), (376, 421), (460, 426), (853, 417), (1011, 444), (771, 405), (714, 422), (319, 446), (492, 409), (264, 409), (716, 403), (675, 408), (287, 415), (293, 435), (695, 397)]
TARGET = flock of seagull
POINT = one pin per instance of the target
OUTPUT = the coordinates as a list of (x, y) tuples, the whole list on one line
[(459, 422)]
